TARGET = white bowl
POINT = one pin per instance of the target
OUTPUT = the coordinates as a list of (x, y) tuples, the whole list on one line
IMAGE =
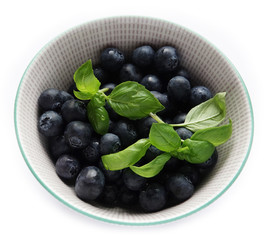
[(55, 65)]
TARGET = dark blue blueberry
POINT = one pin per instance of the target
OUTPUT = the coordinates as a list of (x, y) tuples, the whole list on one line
[(180, 187), (153, 198), (199, 94), (102, 75), (206, 167), (50, 124), (144, 125), (172, 164), (132, 180), (74, 110), (89, 183), (179, 89), (151, 153), (110, 86), (170, 108), (109, 196), (112, 59), (109, 143), (128, 197), (77, 134), (166, 59), (191, 173), (183, 72), (67, 168), (184, 133), (91, 154), (112, 114), (53, 99), (130, 72), (126, 131), (58, 147), (143, 56), (152, 83), (110, 176), (180, 118)]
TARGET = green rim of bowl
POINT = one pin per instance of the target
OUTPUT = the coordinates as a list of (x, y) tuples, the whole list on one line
[(123, 222)]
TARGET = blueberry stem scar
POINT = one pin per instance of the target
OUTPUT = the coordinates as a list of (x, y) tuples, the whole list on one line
[(158, 119)]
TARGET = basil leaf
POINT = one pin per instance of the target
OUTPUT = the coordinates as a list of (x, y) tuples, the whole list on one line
[(126, 157), (97, 114), (164, 137), (214, 135), (134, 101), (152, 168), (195, 151), (85, 81), (207, 114)]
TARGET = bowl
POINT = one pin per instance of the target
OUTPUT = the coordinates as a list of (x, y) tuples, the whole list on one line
[(55, 65)]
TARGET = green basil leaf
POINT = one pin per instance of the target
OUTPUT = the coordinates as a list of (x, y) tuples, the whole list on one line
[(97, 114), (152, 168), (164, 137), (85, 80), (83, 95), (126, 157), (214, 135), (132, 100), (207, 114), (195, 151)]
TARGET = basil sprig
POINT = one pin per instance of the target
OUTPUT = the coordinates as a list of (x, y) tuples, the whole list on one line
[(132, 100)]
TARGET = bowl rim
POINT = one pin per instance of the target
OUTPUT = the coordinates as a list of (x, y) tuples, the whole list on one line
[(124, 222)]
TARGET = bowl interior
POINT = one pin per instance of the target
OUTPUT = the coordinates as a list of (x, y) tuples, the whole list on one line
[(55, 65)]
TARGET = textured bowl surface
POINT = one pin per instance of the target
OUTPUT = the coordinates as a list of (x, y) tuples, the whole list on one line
[(55, 65)]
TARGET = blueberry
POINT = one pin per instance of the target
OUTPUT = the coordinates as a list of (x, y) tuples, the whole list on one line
[(89, 183), (153, 198), (199, 94), (91, 153), (172, 164), (143, 56), (128, 197), (191, 173), (71, 89), (182, 72), (180, 118), (170, 108), (110, 86), (126, 131), (74, 110), (52, 99), (180, 187), (109, 143), (132, 180), (58, 147), (166, 59), (50, 124), (110, 176), (77, 134), (144, 126), (102, 75), (151, 153), (184, 133), (112, 59), (152, 83), (130, 72), (67, 168), (179, 89), (206, 167), (109, 195)]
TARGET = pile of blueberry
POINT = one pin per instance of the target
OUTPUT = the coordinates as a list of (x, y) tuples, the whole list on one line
[(76, 149)]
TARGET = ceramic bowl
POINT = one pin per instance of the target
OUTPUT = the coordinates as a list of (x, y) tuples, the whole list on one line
[(55, 65)]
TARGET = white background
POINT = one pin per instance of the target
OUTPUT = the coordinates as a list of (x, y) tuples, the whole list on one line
[(28, 211)]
